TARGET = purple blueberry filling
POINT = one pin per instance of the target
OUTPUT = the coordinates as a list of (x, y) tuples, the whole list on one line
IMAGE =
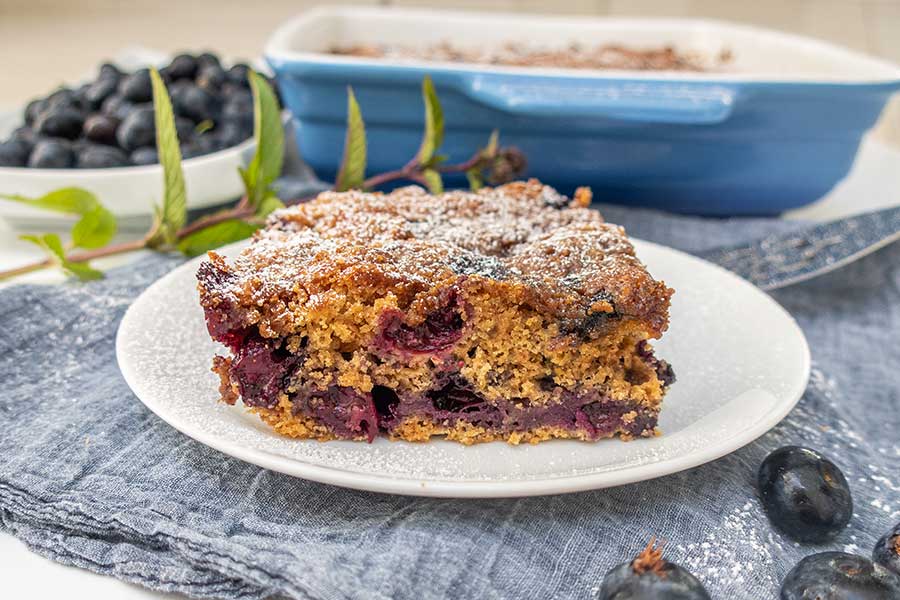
[(440, 330), (346, 412), (223, 323), (349, 413), (261, 368)]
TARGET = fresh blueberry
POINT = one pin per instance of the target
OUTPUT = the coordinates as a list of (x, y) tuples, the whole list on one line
[(109, 71), (208, 58), (238, 112), (887, 550), (51, 154), (137, 130), (101, 128), (184, 128), (145, 156), (98, 156), (137, 87), (60, 121), (183, 66), (196, 104), (228, 89), (33, 109), (238, 73), (203, 144), (211, 78), (117, 106), (839, 576), (13, 153), (25, 135), (231, 133), (79, 96), (804, 494), (239, 108), (649, 577), (63, 97), (99, 91)]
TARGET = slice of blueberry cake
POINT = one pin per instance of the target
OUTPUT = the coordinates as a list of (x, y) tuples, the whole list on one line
[(511, 313)]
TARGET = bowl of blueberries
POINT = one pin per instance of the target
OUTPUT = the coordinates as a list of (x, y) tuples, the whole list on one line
[(100, 135)]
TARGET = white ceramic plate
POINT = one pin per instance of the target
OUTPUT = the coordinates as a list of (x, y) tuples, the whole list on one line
[(741, 360)]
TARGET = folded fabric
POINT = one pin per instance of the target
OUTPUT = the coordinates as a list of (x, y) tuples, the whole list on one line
[(90, 477)]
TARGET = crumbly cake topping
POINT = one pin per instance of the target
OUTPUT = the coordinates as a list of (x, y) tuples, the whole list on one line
[(523, 239), (573, 56)]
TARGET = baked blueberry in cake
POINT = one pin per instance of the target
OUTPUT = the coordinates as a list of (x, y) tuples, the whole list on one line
[(511, 313)]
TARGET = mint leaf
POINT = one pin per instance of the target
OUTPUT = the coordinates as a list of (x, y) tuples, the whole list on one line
[(97, 225), (268, 204), (265, 167), (433, 179), (72, 200), (434, 124), (95, 229), (476, 179), (82, 271), (352, 173), (215, 236), (171, 216), (52, 245), (50, 242)]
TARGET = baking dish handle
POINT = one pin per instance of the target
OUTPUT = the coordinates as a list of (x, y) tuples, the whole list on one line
[(633, 100)]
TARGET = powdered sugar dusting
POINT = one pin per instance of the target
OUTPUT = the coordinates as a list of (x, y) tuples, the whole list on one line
[(562, 256)]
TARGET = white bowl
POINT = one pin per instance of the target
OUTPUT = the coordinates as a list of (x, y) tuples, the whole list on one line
[(130, 191)]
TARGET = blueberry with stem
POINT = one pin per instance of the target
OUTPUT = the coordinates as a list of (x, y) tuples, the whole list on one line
[(649, 577)]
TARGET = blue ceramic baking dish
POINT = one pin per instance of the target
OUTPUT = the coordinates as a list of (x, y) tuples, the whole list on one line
[(775, 129)]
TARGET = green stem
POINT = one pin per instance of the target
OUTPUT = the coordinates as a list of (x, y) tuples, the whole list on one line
[(78, 257)]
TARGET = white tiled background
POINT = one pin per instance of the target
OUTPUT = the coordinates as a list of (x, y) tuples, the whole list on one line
[(46, 42)]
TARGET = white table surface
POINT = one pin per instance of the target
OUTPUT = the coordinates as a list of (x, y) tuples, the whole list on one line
[(874, 182)]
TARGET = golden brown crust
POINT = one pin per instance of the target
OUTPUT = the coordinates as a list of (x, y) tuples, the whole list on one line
[(521, 241)]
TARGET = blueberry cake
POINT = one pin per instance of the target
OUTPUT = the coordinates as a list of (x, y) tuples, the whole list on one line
[(512, 313)]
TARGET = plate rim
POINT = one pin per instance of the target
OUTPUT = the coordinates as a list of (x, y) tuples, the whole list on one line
[(480, 489)]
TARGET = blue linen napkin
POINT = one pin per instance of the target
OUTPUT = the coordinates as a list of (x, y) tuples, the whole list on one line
[(91, 478)]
